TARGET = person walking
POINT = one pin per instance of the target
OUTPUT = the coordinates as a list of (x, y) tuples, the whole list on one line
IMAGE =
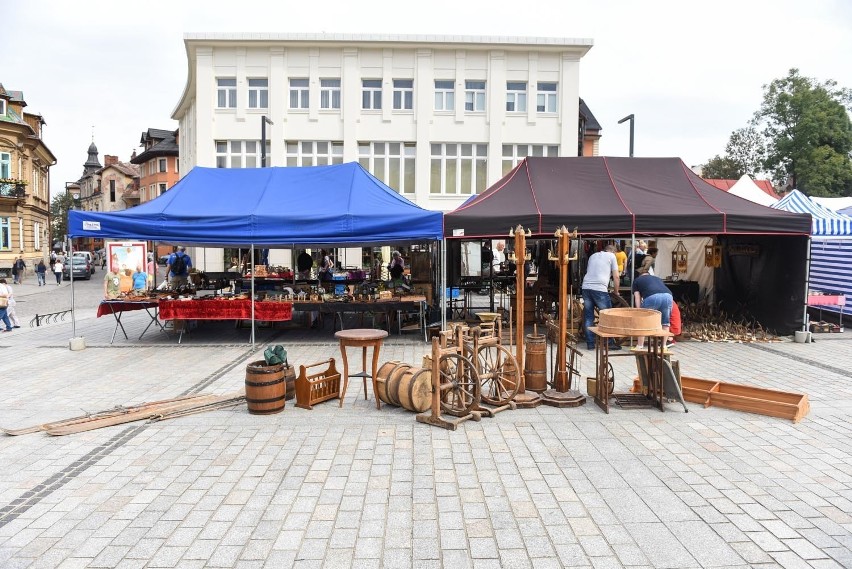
[(22, 270), (40, 271), (57, 270), (6, 290), (602, 267), (4, 316), (15, 270)]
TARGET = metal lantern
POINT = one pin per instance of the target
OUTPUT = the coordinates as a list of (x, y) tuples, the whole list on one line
[(680, 259), (713, 255)]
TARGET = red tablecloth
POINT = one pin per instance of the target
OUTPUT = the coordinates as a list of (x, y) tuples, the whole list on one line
[(239, 309), (826, 300), (113, 306)]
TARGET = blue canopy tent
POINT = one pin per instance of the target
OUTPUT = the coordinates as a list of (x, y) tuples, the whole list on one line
[(269, 207), (830, 256)]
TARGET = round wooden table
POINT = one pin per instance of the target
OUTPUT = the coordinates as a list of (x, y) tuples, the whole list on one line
[(363, 338)]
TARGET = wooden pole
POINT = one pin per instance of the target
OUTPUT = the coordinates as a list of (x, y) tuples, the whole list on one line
[(523, 399)]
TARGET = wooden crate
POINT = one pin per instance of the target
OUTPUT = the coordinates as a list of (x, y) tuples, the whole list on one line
[(317, 387), (770, 402)]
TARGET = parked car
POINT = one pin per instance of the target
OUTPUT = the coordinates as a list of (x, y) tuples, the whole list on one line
[(163, 259), (82, 268), (88, 256)]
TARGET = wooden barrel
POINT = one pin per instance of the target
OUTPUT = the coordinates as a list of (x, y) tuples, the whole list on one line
[(412, 387), (384, 375), (265, 388), (290, 381), (535, 363)]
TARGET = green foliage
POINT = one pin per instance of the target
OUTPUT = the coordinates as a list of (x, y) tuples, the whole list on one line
[(747, 149), (722, 168), (809, 134), (59, 207)]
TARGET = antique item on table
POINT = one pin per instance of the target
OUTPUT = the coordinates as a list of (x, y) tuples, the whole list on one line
[(680, 260)]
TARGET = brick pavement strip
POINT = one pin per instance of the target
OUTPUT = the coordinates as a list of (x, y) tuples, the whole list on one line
[(356, 487)]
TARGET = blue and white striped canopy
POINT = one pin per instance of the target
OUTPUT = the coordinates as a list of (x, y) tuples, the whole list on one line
[(824, 222)]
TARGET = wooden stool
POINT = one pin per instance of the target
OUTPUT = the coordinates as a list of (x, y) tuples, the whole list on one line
[(363, 338)]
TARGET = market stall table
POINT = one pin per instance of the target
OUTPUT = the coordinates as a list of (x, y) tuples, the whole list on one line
[(825, 299), (224, 309), (119, 307), (387, 307), (363, 338)]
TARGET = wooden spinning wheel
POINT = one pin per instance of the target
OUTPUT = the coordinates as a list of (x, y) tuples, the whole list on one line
[(498, 374), (459, 385)]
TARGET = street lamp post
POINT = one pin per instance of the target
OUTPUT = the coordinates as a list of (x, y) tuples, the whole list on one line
[(629, 118), (263, 120)]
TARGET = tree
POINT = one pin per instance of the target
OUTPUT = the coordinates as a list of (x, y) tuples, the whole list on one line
[(747, 149), (809, 134), (59, 208), (722, 168)]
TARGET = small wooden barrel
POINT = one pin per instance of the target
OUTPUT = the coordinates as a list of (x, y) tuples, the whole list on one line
[(265, 388), (384, 375), (412, 387), (535, 363), (290, 381), (630, 321)]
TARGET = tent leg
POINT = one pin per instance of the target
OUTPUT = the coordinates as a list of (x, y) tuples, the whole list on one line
[(808, 286), (443, 297), (252, 297)]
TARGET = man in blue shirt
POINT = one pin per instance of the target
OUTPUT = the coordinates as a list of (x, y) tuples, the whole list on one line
[(177, 268), (600, 270)]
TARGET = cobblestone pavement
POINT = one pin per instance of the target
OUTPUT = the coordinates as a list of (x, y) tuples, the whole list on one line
[(357, 487)]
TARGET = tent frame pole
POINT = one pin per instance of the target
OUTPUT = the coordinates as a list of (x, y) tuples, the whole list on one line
[(443, 297), (252, 297), (632, 268), (808, 285)]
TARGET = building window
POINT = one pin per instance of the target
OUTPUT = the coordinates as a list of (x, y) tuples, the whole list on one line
[(162, 189), (299, 91), (238, 153), (390, 162), (458, 169), (152, 191), (371, 94), (37, 235), (20, 234), (314, 153), (5, 165), (2, 107), (162, 165), (546, 98), (226, 93), (474, 96), (514, 153), (5, 233), (258, 93), (112, 190), (516, 97), (403, 94), (329, 93), (445, 95)]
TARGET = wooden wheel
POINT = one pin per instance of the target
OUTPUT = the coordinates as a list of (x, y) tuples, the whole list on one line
[(610, 378), (498, 374), (460, 389)]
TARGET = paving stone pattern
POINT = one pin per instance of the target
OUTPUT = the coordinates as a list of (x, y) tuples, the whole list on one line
[(357, 487)]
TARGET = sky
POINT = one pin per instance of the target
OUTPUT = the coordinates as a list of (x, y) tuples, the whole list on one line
[(691, 72)]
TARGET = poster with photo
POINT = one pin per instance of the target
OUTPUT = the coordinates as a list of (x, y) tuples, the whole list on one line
[(127, 258)]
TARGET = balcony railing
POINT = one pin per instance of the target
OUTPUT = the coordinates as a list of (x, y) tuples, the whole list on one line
[(13, 189)]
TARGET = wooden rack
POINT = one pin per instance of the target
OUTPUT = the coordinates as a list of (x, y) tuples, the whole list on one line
[(317, 387)]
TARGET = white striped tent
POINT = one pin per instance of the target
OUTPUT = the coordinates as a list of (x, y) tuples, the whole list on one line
[(824, 222), (831, 247)]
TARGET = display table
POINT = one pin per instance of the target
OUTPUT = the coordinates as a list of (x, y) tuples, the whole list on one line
[(389, 308), (119, 307), (825, 299), (361, 338), (221, 309)]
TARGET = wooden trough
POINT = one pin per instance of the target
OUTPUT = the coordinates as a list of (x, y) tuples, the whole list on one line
[(770, 402)]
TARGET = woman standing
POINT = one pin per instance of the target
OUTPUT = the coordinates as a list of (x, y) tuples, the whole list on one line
[(4, 317), (57, 270), (6, 290)]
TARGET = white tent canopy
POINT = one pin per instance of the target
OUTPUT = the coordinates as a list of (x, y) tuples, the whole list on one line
[(747, 189), (834, 204)]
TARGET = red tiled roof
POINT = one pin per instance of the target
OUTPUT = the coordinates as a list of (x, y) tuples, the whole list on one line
[(726, 185)]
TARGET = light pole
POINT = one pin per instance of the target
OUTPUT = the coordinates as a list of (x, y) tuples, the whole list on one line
[(263, 120), (629, 118)]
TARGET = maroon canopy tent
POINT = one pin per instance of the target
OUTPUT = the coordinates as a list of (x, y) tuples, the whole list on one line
[(605, 196), (614, 196)]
